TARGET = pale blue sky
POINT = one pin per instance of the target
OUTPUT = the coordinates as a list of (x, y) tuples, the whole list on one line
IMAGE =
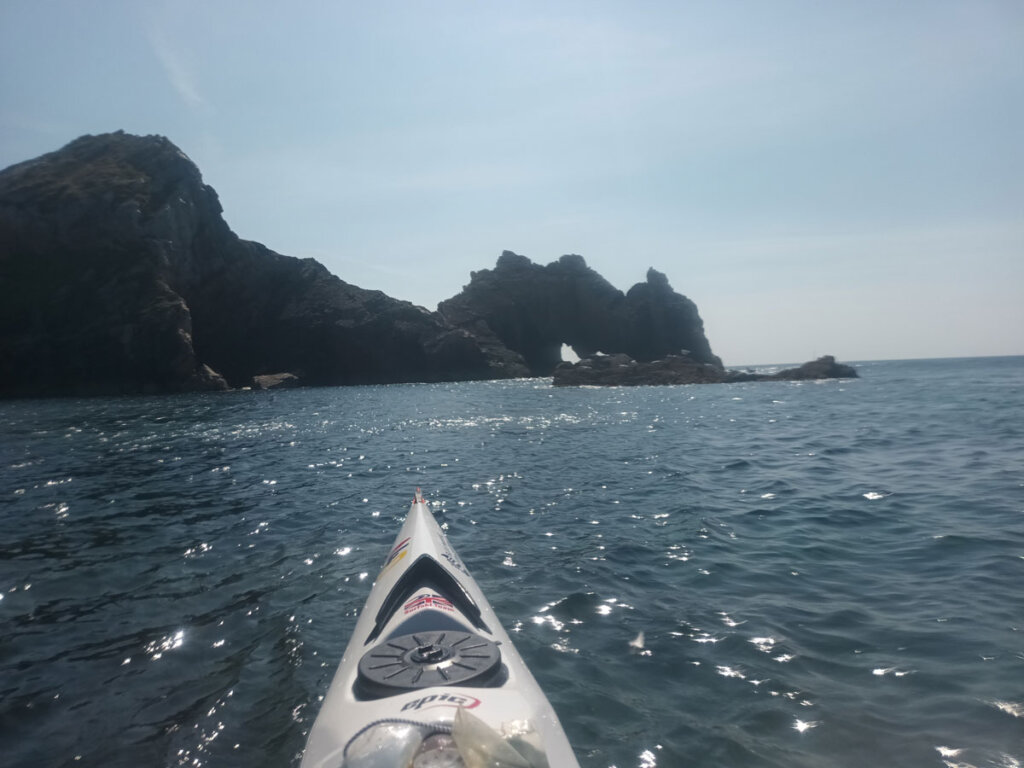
[(820, 177)]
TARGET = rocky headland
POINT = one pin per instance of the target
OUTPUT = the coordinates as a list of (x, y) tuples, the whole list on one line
[(119, 275)]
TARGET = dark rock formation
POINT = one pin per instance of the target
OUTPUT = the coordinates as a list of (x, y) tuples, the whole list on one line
[(623, 371), (533, 309), (118, 275), (824, 367)]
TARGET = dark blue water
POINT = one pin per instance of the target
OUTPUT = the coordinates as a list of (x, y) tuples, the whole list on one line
[(825, 574)]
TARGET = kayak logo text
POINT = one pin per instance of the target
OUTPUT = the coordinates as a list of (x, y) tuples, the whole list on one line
[(428, 601), (455, 562), (441, 700)]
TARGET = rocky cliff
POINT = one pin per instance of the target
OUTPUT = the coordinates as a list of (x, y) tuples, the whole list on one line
[(533, 309), (118, 274)]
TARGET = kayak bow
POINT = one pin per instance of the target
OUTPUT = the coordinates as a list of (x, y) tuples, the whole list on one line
[(429, 677)]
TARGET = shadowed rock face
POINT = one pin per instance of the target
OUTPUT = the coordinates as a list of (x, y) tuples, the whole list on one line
[(533, 309), (118, 275)]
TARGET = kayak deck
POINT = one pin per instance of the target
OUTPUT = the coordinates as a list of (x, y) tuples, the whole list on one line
[(429, 661)]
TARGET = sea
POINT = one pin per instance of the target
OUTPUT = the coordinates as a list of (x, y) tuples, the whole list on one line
[(826, 574)]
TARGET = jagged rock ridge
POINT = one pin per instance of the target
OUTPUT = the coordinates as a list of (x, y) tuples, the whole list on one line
[(534, 309)]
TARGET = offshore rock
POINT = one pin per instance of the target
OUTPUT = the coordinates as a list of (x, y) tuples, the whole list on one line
[(276, 381), (119, 275), (623, 371), (824, 367), (532, 310)]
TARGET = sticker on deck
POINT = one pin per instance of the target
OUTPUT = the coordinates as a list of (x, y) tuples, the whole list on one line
[(436, 602), (441, 700), (396, 554)]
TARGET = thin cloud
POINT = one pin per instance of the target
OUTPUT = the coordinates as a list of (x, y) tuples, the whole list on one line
[(177, 70)]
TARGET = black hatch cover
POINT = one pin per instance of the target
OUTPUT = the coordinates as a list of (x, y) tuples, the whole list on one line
[(426, 659)]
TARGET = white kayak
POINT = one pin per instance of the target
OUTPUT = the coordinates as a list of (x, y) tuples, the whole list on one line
[(430, 679)]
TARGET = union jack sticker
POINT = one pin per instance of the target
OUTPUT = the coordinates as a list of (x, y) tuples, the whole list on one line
[(429, 601)]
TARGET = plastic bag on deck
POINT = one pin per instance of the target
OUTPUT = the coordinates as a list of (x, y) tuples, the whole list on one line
[(384, 746), (483, 747)]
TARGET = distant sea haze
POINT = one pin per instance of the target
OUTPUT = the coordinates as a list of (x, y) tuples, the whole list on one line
[(815, 574)]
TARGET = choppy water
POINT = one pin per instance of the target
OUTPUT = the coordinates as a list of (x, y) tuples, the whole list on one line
[(825, 574)]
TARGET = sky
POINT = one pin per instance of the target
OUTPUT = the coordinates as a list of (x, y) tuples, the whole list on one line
[(839, 178)]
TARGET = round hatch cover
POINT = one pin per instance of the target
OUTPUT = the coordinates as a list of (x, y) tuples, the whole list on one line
[(426, 659)]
